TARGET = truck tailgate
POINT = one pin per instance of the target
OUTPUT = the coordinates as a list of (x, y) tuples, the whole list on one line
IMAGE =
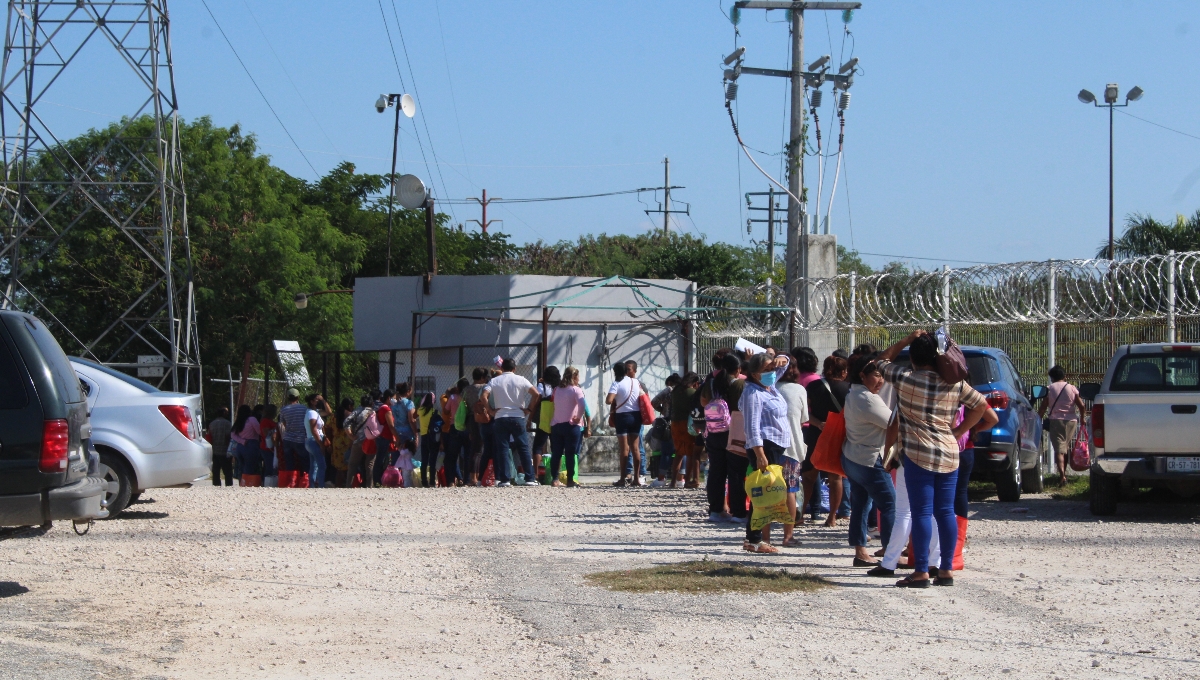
[(1152, 422)]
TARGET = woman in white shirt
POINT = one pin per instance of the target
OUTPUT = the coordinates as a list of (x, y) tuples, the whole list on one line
[(797, 402), (867, 416)]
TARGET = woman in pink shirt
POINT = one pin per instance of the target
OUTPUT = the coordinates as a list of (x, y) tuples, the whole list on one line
[(568, 425)]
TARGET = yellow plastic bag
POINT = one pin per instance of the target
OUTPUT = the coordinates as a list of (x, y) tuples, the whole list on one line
[(767, 491)]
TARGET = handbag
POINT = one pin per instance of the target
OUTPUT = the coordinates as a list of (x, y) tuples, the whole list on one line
[(827, 454), (1081, 454), (952, 364), (737, 434), (646, 408)]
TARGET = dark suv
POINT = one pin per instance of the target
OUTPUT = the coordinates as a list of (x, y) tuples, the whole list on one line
[(44, 430)]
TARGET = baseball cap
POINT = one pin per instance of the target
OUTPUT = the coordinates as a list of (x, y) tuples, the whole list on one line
[(293, 392)]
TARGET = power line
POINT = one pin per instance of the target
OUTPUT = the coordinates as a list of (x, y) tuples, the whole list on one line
[(260, 92), (450, 81), (1178, 132), (289, 76), (463, 201), (913, 257)]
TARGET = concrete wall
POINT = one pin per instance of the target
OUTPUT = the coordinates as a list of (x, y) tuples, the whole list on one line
[(822, 264)]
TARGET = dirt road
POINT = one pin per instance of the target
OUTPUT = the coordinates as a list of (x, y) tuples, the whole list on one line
[(455, 583)]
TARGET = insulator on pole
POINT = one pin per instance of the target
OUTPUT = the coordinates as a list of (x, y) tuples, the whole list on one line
[(815, 99), (731, 91), (844, 101)]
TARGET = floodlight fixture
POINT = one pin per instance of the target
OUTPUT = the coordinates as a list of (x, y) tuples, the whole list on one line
[(381, 104), (1111, 92), (819, 63), (1134, 94), (1086, 97), (848, 66), (735, 55)]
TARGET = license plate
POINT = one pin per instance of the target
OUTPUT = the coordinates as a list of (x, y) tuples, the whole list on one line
[(1183, 465)]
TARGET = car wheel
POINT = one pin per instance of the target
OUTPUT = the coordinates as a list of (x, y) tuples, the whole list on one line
[(1105, 491), (1034, 480), (115, 471), (1008, 486)]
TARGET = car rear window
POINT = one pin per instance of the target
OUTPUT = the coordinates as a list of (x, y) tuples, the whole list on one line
[(12, 384), (1163, 372), (981, 369), (54, 357), (123, 377)]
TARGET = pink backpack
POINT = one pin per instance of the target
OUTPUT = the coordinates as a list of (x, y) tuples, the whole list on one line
[(373, 427), (391, 477), (716, 416)]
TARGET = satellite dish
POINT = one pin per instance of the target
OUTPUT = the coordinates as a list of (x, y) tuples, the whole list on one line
[(408, 105), (410, 191)]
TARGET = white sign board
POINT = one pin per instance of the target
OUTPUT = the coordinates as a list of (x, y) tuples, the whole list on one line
[(151, 365), (292, 363)]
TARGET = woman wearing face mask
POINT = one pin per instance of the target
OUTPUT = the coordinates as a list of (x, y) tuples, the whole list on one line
[(768, 432), (867, 418)]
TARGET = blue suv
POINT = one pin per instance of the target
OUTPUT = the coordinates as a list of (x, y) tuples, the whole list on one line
[(1011, 453)]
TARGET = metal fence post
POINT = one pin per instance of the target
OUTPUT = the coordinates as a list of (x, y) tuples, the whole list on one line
[(1053, 310), (392, 370), (462, 362), (267, 377), (946, 297), (337, 378), (1171, 296), (853, 292)]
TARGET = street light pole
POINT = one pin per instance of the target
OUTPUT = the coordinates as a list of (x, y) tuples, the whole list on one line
[(1111, 92), (392, 180), (1110, 182)]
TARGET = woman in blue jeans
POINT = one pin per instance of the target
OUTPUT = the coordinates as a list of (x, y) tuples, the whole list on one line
[(567, 425), (314, 438), (867, 417), (929, 448)]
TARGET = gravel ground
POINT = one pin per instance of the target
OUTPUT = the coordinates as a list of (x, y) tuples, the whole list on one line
[(270, 583)]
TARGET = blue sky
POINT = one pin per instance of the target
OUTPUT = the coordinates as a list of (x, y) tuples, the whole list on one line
[(964, 139)]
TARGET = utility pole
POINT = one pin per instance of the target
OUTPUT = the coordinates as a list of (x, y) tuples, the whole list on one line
[(666, 205), (797, 243), (483, 202)]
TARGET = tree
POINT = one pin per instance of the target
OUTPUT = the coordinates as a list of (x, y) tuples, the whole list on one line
[(848, 262), (1145, 236)]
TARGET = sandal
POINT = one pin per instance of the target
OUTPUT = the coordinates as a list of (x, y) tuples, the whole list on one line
[(910, 582), (790, 542), (557, 483), (943, 581), (620, 483), (762, 548)]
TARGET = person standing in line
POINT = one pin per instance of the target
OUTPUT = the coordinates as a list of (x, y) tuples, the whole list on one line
[(567, 426), (867, 420), (314, 431), (515, 399), (291, 418), (451, 443), (1062, 411), (404, 411), (768, 433), (625, 415), (726, 469), (476, 417), (662, 404), (929, 448), (247, 430), (340, 441), (795, 455), (683, 440), (826, 395), (269, 440), (362, 457), (631, 369), (545, 414), (219, 430), (429, 420)]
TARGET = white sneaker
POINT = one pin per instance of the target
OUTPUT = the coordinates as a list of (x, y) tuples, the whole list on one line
[(717, 517), (533, 482), (657, 484), (503, 484)]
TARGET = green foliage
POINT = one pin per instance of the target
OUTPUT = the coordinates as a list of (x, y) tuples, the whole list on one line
[(1145, 235), (849, 262), (645, 256)]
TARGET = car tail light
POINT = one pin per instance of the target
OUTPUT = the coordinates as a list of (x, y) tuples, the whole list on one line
[(1098, 426), (1181, 348), (179, 417), (56, 436), (997, 399)]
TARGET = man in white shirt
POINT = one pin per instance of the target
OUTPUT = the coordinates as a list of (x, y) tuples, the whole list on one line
[(509, 391)]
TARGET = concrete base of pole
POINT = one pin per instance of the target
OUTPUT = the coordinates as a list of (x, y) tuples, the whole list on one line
[(822, 264)]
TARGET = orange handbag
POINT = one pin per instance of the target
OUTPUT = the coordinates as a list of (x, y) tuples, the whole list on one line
[(827, 454)]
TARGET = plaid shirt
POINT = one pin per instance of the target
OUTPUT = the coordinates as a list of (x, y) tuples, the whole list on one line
[(218, 430), (927, 409)]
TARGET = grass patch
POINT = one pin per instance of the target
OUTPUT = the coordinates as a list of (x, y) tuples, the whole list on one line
[(1077, 488), (979, 491), (706, 576)]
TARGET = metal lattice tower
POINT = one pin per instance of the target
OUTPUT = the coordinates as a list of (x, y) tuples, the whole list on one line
[(132, 182)]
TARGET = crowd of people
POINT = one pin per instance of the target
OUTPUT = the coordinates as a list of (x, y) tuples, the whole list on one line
[(903, 432)]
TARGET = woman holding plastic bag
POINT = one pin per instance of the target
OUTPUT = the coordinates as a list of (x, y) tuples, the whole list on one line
[(768, 434)]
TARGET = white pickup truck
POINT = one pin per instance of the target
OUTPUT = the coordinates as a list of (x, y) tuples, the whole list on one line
[(1145, 425)]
